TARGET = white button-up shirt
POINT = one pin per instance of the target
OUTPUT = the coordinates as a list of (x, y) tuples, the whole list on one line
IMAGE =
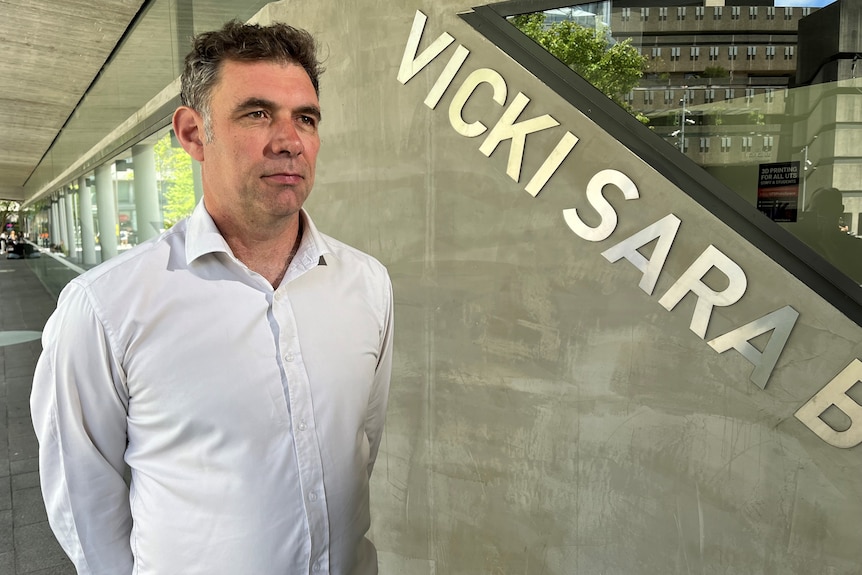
[(249, 417)]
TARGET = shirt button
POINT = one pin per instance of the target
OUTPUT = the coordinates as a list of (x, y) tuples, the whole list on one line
[(288, 356), (312, 496), (302, 426), (316, 567)]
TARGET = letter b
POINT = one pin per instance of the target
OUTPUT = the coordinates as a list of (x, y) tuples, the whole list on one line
[(835, 393)]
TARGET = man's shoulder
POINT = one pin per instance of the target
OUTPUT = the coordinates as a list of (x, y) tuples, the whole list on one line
[(351, 256), (143, 259)]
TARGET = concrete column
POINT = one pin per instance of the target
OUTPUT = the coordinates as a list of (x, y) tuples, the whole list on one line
[(198, 181), (71, 243), (85, 214), (55, 222), (106, 205), (149, 215), (61, 222)]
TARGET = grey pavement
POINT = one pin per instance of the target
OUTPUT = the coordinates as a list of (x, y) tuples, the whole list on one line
[(26, 542)]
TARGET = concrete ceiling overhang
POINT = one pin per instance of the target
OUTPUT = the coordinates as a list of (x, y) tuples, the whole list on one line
[(50, 53)]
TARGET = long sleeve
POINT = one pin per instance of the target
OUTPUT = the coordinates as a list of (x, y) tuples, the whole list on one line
[(376, 415), (79, 407)]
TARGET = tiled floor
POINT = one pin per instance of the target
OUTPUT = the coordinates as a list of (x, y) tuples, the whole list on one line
[(26, 542)]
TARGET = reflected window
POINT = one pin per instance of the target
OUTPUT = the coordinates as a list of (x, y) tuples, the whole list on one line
[(727, 108)]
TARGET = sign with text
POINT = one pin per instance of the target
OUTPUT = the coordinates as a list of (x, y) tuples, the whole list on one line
[(778, 190)]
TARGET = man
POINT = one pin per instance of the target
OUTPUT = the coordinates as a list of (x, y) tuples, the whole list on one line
[(238, 364)]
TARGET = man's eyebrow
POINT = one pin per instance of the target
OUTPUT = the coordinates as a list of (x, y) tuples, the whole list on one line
[(255, 103)]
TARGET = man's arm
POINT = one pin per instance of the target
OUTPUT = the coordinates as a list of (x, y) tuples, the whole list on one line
[(376, 415), (79, 406)]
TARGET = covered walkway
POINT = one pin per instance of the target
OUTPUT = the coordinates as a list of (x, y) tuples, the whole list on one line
[(27, 545)]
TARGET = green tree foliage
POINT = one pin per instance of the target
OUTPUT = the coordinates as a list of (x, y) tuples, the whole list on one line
[(612, 67), (7, 210), (174, 168), (715, 72)]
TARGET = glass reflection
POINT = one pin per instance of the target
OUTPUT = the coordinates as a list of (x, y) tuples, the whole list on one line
[(753, 94)]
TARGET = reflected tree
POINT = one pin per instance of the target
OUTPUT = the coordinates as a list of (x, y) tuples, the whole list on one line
[(612, 67), (174, 167)]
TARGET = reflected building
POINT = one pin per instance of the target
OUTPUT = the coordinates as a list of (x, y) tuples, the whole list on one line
[(734, 86)]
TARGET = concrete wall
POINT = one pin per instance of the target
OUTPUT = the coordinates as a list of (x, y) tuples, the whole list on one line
[(548, 415)]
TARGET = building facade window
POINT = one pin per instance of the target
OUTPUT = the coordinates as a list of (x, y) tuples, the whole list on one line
[(788, 13), (716, 12), (709, 95), (656, 52), (770, 12), (662, 13), (769, 95), (734, 12), (713, 52), (746, 143), (698, 12), (752, 12), (751, 54), (695, 52), (749, 95), (625, 14), (728, 94), (770, 52), (806, 11), (725, 143), (649, 96), (767, 143), (704, 145), (668, 97), (732, 52), (680, 13), (644, 14), (674, 53), (788, 52)]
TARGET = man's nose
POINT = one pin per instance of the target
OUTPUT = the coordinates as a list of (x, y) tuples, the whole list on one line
[(286, 139)]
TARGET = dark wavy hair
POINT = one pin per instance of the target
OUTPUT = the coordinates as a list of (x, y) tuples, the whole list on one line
[(243, 42)]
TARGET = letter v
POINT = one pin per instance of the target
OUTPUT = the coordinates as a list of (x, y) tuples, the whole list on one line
[(410, 64)]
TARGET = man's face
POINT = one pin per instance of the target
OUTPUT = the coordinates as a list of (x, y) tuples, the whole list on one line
[(258, 165)]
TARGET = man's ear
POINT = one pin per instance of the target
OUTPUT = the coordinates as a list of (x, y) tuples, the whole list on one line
[(189, 129)]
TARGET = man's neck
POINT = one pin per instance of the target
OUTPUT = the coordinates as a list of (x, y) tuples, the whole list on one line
[(267, 250)]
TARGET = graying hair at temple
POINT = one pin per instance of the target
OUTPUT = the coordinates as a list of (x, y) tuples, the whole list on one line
[(244, 43)]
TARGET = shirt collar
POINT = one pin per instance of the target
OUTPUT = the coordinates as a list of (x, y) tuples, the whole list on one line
[(203, 237)]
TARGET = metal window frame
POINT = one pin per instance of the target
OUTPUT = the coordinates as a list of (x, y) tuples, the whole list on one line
[(771, 239)]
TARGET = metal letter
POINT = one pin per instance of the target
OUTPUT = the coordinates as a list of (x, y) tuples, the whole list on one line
[(482, 75), (446, 76), (665, 230), (594, 194), (552, 162), (835, 393), (690, 281), (506, 129), (410, 64), (780, 322)]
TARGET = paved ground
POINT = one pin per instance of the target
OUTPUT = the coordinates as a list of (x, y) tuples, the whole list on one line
[(26, 542)]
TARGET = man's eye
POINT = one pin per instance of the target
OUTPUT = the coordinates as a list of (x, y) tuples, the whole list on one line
[(257, 114), (308, 120)]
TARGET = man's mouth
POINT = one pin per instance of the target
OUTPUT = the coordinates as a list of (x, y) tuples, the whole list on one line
[(286, 178)]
